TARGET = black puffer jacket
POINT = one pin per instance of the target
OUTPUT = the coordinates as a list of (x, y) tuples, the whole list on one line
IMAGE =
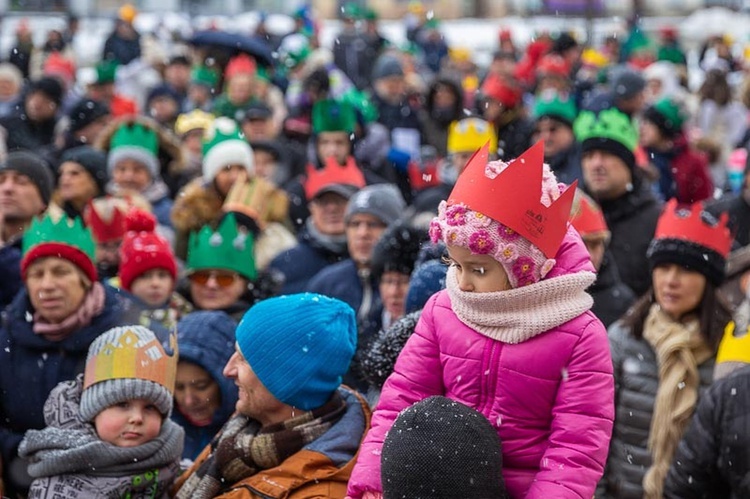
[(636, 381), (612, 297), (632, 221), (713, 459)]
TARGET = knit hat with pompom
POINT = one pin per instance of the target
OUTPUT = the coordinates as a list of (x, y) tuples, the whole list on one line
[(143, 249)]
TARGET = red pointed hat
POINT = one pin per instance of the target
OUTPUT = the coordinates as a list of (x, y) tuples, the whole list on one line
[(587, 218), (513, 197)]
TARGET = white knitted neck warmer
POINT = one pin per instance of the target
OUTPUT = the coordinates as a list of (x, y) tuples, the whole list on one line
[(516, 315)]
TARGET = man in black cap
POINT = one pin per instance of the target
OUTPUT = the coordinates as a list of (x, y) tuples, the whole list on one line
[(86, 120), (33, 124), (26, 185), (626, 93)]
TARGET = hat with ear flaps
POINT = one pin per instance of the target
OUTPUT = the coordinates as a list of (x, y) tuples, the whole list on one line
[(523, 232), (692, 238), (66, 238)]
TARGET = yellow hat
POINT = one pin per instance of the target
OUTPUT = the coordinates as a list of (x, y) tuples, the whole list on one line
[(734, 348), (194, 120), (460, 54), (470, 134), (127, 13), (592, 57)]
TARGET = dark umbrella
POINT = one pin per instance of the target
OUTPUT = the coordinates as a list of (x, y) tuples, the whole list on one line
[(235, 43)]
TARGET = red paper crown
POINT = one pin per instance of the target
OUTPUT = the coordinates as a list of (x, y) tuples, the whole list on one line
[(692, 228), (586, 217), (333, 173), (513, 197), (108, 226), (240, 64)]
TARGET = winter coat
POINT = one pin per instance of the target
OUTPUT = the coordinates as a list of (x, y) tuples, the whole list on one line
[(343, 281), (199, 204), (632, 221), (355, 55), (10, 269), (392, 116), (514, 138), (566, 165), (612, 298), (321, 469), (301, 263), (713, 458), (122, 50), (435, 122), (687, 178), (19, 132), (211, 351), (68, 459), (636, 383), (31, 366), (553, 411), (738, 209), (171, 159)]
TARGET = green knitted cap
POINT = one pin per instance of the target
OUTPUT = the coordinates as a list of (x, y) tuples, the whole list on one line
[(227, 248), (671, 111), (552, 105), (610, 124), (333, 116), (105, 71)]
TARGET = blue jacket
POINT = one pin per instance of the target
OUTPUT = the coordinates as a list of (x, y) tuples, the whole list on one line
[(209, 348), (301, 263), (31, 366), (10, 269)]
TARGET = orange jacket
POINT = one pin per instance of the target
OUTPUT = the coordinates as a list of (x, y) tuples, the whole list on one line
[(320, 470)]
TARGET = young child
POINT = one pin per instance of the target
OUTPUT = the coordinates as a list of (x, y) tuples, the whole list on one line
[(512, 336), (148, 271), (108, 432)]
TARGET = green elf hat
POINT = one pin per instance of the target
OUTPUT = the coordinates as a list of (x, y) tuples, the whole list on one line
[(66, 238), (611, 130), (207, 77), (105, 72), (558, 107), (223, 145), (134, 141), (333, 116), (230, 247)]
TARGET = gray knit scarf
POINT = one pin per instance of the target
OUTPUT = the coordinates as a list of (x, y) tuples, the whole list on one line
[(69, 445), (334, 244), (516, 315)]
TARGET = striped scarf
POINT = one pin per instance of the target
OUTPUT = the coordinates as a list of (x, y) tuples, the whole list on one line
[(243, 448)]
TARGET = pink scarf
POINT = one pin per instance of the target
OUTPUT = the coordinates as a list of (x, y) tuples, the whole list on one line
[(92, 305)]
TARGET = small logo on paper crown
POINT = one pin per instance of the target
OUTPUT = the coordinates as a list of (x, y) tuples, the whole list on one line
[(686, 223)]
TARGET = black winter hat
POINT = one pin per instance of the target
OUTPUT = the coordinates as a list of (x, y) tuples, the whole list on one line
[(51, 87), (439, 448), (92, 160), (86, 112), (33, 166), (396, 250), (387, 66), (627, 83)]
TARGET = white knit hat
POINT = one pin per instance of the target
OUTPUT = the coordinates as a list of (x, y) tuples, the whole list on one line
[(225, 145)]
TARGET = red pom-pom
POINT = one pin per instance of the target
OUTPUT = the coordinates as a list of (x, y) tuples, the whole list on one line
[(139, 221)]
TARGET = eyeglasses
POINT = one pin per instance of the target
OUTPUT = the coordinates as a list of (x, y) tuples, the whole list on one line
[(223, 279)]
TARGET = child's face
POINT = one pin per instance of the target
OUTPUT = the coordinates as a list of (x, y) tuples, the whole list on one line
[(153, 287), (477, 273), (129, 424)]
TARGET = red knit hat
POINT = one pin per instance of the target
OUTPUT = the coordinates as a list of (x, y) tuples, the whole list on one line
[(505, 92), (142, 249)]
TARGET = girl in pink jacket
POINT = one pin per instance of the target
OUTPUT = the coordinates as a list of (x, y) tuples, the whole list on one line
[(512, 336)]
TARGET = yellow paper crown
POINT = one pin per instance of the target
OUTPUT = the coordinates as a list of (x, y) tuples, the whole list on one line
[(734, 348), (131, 352)]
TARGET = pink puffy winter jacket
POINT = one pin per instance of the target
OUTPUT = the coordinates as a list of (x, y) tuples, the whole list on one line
[(551, 398)]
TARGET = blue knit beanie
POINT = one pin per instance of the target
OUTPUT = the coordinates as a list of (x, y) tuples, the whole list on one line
[(299, 346)]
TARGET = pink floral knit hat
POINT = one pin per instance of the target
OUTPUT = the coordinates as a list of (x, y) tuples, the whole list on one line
[(458, 225)]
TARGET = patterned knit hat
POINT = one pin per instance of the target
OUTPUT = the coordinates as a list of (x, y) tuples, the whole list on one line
[(457, 225), (691, 237), (299, 346), (439, 448), (66, 238), (610, 130), (143, 250), (137, 142), (128, 363), (224, 145)]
